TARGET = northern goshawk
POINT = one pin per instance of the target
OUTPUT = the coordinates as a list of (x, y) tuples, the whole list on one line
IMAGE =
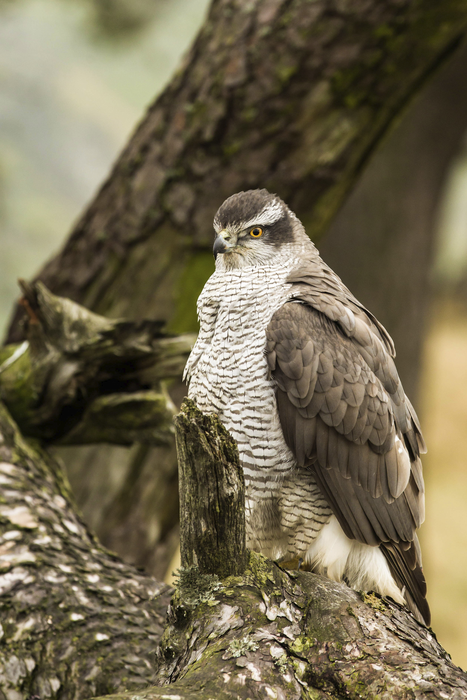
[(303, 377)]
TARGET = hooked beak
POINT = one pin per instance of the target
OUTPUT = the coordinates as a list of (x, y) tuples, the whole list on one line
[(222, 243)]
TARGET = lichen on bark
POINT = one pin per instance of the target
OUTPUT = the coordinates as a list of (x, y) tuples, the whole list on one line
[(75, 621), (295, 635)]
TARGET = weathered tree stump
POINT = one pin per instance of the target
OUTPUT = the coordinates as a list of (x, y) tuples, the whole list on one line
[(212, 495)]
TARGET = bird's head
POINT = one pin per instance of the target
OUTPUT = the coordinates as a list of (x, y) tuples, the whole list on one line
[(250, 228)]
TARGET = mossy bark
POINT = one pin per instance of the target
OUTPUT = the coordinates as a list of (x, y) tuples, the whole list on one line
[(295, 635), (81, 378), (292, 96)]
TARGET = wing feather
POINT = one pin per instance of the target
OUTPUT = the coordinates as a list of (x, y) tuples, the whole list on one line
[(342, 408)]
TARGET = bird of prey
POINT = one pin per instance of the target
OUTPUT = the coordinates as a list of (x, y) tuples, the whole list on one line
[(303, 377)]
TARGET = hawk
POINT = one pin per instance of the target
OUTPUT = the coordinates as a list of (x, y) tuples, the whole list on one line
[(303, 377)]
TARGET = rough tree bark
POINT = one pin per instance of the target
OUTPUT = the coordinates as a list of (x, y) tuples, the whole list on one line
[(75, 621), (212, 495), (293, 96), (382, 240)]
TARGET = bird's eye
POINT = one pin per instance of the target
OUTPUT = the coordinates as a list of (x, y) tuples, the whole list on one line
[(256, 232)]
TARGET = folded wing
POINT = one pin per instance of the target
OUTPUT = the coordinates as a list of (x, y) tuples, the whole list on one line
[(344, 414)]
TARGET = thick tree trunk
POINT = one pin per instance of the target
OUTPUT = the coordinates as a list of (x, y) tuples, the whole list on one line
[(292, 96), (75, 621), (295, 635), (382, 240)]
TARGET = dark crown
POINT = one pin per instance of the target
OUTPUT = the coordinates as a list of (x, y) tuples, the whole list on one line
[(245, 206)]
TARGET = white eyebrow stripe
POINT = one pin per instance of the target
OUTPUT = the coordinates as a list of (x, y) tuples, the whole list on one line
[(271, 213)]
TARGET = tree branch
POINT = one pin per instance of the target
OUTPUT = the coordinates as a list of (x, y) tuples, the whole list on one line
[(296, 635), (82, 378)]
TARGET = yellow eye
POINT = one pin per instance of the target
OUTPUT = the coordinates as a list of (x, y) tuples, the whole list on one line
[(256, 232)]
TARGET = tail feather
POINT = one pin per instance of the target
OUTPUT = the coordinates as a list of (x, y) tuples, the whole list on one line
[(405, 563)]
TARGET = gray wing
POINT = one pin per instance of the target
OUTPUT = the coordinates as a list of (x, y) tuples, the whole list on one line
[(318, 286), (353, 428)]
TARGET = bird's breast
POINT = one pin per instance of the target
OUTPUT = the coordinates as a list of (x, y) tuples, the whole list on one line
[(231, 374)]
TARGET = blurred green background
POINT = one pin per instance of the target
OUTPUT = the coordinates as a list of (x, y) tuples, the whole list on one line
[(75, 78)]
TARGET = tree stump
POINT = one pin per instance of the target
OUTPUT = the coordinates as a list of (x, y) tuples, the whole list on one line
[(212, 495)]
